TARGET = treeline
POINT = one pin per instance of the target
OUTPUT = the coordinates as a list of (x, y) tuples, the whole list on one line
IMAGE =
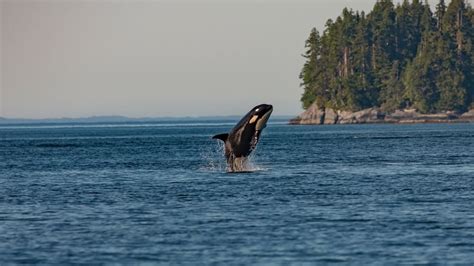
[(402, 56)]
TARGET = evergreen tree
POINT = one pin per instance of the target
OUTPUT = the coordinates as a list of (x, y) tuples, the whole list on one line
[(363, 93), (440, 11), (310, 72), (420, 92), (456, 68)]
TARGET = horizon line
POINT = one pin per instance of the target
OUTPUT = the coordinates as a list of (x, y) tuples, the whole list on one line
[(103, 117)]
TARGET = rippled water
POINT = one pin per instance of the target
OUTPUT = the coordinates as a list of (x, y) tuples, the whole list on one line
[(140, 193)]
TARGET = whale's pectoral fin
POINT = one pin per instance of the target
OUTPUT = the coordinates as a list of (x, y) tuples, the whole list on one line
[(222, 137)]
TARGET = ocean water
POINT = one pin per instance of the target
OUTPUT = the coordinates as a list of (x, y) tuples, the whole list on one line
[(159, 193)]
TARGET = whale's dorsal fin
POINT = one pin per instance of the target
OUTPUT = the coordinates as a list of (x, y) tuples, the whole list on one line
[(222, 137)]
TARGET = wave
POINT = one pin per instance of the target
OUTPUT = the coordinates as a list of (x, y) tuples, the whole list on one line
[(57, 145)]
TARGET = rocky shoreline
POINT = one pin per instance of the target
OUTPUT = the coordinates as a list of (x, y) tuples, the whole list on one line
[(315, 115)]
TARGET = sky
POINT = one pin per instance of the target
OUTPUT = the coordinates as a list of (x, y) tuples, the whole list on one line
[(152, 58)]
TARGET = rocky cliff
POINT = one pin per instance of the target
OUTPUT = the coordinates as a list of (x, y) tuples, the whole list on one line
[(316, 115)]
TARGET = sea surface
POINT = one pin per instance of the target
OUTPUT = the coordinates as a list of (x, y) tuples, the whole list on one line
[(159, 193)]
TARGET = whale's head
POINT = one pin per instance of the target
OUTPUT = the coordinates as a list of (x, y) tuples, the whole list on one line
[(259, 116)]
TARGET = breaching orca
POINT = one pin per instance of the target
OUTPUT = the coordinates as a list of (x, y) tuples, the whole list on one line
[(243, 138)]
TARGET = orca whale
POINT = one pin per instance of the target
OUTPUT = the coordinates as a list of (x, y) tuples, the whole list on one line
[(243, 138)]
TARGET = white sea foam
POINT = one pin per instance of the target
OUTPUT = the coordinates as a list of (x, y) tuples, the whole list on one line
[(214, 157), (215, 161)]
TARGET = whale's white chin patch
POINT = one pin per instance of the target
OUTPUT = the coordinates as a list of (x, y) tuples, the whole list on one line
[(262, 122)]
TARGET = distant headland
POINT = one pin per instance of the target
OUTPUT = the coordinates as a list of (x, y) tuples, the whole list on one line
[(399, 63)]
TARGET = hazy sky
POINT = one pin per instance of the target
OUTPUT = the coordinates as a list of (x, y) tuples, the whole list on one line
[(155, 58)]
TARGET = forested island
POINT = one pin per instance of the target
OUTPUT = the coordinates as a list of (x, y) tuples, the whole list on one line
[(398, 63)]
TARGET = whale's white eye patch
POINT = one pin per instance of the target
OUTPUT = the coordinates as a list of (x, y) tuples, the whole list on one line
[(253, 119)]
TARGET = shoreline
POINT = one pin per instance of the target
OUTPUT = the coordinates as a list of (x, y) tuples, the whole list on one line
[(294, 122), (315, 115)]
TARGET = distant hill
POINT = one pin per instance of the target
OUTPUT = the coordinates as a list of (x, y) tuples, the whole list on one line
[(93, 119), (123, 119), (395, 57)]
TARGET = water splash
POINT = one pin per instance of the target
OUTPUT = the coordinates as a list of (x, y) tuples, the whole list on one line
[(241, 164), (213, 157), (215, 161), (250, 164)]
